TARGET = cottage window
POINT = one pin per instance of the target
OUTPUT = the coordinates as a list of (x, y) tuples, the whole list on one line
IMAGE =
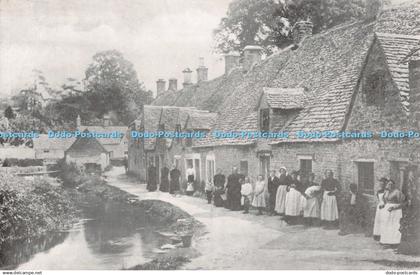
[(265, 120), (375, 89), (244, 167), (46, 151), (365, 176), (306, 166)]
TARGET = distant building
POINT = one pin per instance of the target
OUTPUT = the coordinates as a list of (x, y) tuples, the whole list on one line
[(117, 147), (88, 152), (51, 148)]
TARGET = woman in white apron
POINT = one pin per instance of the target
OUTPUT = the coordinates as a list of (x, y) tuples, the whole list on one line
[(390, 229), (311, 209), (282, 191), (329, 208), (293, 203), (377, 226)]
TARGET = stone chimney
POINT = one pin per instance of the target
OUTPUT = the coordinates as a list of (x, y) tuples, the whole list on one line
[(252, 55), (78, 122), (231, 61), (202, 71), (173, 84), (414, 80), (107, 120), (187, 77), (300, 30), (160, 87)]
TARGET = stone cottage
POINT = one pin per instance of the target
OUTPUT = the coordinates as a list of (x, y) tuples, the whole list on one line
[(354, 78)]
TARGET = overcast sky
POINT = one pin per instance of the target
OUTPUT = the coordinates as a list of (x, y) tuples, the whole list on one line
[(160, 37)]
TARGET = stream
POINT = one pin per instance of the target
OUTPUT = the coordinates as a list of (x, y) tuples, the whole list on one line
[(111, 235)]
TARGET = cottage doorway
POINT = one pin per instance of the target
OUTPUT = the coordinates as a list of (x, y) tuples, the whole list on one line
[(265, 166)]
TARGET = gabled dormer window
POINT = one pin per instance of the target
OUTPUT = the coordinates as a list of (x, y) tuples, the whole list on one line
[(265, 120)]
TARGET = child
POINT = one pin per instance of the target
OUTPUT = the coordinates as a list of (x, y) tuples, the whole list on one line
[(259, 195), (209, 190), (246, 192)]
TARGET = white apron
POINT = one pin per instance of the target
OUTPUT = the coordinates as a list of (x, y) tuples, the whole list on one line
[(311, 209), (379, 216), (390, 229), (329, 210), (293, 203), (281, 199)]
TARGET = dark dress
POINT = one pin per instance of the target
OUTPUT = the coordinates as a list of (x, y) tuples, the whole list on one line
[(164, 179), (273, 184), (234, 192), (353, 216), (174, 183), (219, 189), (152, 178)]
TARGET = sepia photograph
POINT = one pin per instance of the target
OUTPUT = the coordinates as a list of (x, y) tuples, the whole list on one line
[(247, 135)]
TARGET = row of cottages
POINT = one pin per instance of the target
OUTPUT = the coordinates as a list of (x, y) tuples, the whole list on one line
[(361, 76), (165, 152)]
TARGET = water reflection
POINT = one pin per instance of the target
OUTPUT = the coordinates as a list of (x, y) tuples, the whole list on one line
[(113, 236)]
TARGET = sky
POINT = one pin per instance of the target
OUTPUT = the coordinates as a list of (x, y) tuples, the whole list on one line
[(160, 37)]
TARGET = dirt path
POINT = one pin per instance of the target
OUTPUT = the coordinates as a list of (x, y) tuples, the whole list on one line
[(238, 241)]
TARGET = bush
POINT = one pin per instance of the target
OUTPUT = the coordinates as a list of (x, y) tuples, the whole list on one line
[(23, 162), (71, 174)]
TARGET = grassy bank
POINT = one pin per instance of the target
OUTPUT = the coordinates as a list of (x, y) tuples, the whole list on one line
[(31, 208)]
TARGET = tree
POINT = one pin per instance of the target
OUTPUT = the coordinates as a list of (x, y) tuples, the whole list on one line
[(268, 23), (112, 85), (9, 113)]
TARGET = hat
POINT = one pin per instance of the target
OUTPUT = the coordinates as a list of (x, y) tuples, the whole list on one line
[(383, 179)]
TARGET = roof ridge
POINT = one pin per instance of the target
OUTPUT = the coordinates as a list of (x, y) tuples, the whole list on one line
[(389, 34)]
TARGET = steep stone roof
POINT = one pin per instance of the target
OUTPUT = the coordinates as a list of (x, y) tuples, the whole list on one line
[(106, 129), (45, 143), (396, 47), (86, 147)]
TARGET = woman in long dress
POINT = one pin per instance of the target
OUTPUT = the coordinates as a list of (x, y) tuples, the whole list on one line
[(377, 226), (329, 207), (259, 195), (311, 209), (294, 199), (284, 182), (390, 229)]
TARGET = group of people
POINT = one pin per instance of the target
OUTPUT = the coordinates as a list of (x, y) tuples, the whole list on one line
[(298, 198)]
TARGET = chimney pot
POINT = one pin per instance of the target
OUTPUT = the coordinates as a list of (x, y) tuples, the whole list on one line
[(300, 30), (187, 77), (252, 55), (173, 84), (202, 71), (160, 87), (231, 61)]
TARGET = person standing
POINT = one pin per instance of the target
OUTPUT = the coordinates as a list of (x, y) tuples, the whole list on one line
[(125, 163), (259, 195), (219, 181), (352, 215), (284, 182), (410, 223), (246, 192), (164, 179), (151, 177), (377, 226), (190, 181), (233, 190), (209, 188), (273, 184), (329, 208), (390, 230), (311, 210), (174, 176), (293, 203)]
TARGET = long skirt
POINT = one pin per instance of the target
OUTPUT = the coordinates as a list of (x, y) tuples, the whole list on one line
[(390, 229), (293, 204), (259, 200), (311, 209), (329, 210), (281, 199), (379, 219)]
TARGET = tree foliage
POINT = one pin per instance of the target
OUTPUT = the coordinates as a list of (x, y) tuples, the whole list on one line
[(112, 85), (268, 23)]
